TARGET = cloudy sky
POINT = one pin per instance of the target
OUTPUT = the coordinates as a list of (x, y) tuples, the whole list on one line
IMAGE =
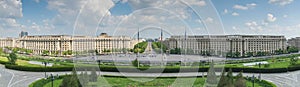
[(125, 17)]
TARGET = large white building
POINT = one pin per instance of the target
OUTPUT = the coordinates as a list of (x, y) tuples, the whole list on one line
[(59, 44), (294, 42), (221, 44), (7, 42)]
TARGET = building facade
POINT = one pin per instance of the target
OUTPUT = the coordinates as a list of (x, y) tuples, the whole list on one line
[(60, 44), (7, 42), (222, 44), (294, 42)]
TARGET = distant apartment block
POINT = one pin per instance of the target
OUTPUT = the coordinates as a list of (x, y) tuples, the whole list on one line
[(221, 44), (294, 42)]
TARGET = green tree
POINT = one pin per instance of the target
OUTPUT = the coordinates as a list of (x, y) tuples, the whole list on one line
[(12, 58), (240, 80), (249, 54), (135, 63), (69, 52), (292, 49), (211, 80), (93, 76), (140, 47), (74, 80), (223, 80), (230, 79), (237, 54), (175, 51), (66, 82), (1, 51), (84, 78), (29, 51), (71, 81), (45, 53), (293, 61)]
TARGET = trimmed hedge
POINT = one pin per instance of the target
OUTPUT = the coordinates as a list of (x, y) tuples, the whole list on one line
[(262, 83), (145, 69), (42, 82), (39, 69)]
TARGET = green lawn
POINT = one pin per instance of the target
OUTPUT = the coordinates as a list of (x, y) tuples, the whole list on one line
[(158, 82), (55, 83), (20, 62), (4, 59)]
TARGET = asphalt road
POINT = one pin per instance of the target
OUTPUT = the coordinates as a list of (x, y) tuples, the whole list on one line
[(13, 78)]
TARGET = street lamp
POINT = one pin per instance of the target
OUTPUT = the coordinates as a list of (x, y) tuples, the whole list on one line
[(253, 78), (52, 79), (202, 65), (259, 65), (99, 61), (45, 63)]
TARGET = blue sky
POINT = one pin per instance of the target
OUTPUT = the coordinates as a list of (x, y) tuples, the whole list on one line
[(269, 17)]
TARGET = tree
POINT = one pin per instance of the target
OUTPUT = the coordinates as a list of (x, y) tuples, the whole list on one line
[(293, 61), (135, 63), (96, 51), (45, 53), (84, 79), (292, 49), (223, 80), (175, 51), (249, 54), (240, 81), (230, 79), (29, 51), (1, 51), (74, 80), (211, 80), (69, 52), (93, 76), (237, 54), (12, 58), (71, 81), (66, 82)]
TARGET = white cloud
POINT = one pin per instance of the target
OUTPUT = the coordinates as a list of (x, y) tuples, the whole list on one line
[(9, 23), (235, 14), (234, 28), (246, 7), (10, 9), (281, 2), (89, 13), (225, 11), (271, 18), (240, 7), (37, 1), (209, 20), (196, 2), (253, 25), (285, 16)]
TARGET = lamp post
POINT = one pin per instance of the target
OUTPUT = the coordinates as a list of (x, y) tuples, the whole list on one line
[(99, 61), (52, 79), (45, 63), (202, 65), (259, 65), (253, 79)]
